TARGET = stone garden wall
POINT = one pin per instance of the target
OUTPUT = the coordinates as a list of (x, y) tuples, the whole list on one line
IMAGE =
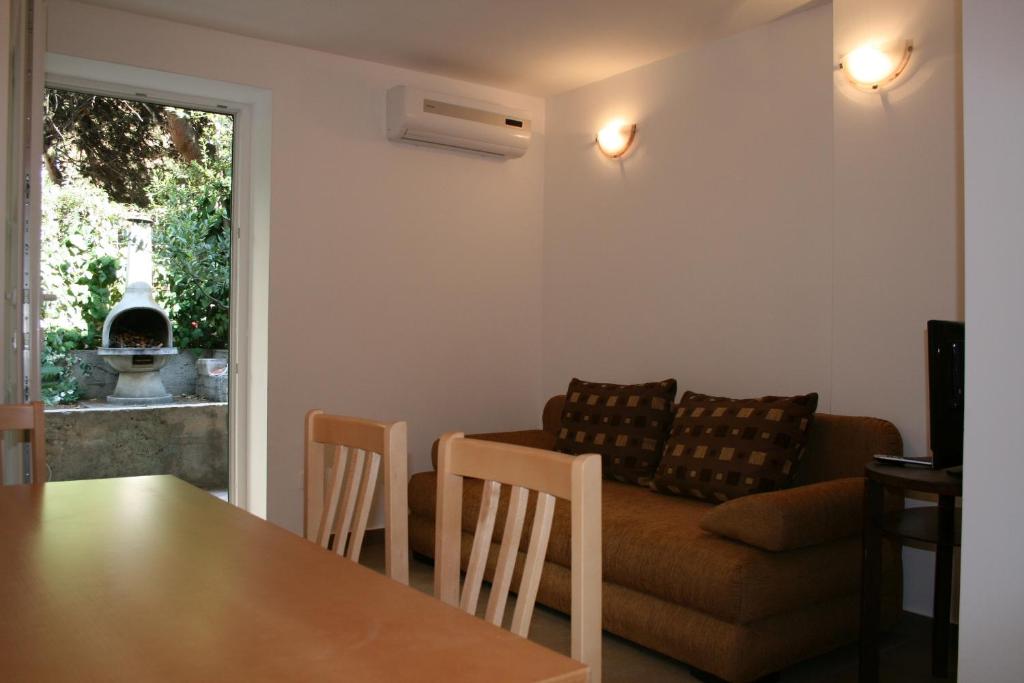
[(189, 441)]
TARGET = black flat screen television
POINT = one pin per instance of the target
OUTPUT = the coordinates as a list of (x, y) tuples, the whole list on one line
[(946, 392)]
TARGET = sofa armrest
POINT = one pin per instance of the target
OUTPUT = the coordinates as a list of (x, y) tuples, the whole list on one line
[(552, 416), (534, 438), (791, 518)]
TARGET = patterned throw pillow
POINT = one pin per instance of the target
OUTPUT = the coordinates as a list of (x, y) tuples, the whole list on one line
[(724, 448), (626, 423)]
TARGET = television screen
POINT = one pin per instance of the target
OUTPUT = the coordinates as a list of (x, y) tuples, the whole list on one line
[(946, 392)]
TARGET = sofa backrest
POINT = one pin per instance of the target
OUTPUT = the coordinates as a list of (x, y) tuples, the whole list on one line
[(839, 445)]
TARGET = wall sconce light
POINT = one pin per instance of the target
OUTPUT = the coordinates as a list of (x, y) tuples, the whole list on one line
[(615, 138), (869, 67)]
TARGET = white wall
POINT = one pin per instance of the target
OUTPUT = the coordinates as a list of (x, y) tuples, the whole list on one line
[(992, 590), (898, 252), (898, 230), (405, 282), (774, 231), (705, 253)]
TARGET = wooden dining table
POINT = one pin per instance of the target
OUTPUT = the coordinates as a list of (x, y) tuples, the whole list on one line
[(150, 579)]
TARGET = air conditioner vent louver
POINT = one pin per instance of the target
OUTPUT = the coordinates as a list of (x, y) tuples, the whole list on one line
[(461, 148), (456, 122)]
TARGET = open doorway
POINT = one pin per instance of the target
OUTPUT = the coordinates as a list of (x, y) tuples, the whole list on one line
[(135, 270)]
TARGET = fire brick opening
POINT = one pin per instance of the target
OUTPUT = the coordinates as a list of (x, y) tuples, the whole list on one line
[(138, 328)]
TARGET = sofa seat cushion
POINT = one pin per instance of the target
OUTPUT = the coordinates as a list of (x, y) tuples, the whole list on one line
[(654, 544)]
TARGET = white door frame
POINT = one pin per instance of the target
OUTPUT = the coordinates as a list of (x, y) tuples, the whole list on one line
[(250, 254), (21, 145)]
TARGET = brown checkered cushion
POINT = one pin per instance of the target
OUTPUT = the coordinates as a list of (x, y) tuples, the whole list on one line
[(626, 423), (724, 448)]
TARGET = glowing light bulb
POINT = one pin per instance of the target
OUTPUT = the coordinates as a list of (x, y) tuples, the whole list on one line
[(870, 66), (615, 138)]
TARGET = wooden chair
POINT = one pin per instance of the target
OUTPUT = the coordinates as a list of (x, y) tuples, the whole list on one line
[(343, 457), (27, 418), (552, 475)]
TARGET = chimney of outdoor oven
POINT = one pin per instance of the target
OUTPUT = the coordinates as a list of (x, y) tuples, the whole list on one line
[(140, 250)]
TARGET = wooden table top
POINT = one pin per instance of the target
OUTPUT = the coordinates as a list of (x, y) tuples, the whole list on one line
[(150, 579)]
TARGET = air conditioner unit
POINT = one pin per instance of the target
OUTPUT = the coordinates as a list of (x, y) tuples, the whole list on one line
[(430, 118)]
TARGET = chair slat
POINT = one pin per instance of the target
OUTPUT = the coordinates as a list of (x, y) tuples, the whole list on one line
[(363, 504), (481, 546), (330, 508), (527, 596), (357, 458), (507, 555)]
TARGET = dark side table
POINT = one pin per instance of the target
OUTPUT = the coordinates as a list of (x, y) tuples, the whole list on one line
[(935, 524)]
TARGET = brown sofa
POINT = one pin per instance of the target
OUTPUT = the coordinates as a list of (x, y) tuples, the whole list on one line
[(739, 590)]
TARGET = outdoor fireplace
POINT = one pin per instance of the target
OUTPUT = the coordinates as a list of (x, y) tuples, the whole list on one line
[(137, 337)]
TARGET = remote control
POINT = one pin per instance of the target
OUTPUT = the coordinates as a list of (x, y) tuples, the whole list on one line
[(899, 461)]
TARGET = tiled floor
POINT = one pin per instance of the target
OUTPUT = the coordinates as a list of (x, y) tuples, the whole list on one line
[(905, 651)]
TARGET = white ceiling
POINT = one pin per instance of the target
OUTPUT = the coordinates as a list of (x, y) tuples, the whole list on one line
[(539, 47)]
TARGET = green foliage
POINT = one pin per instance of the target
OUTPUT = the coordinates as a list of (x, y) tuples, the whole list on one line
[(59, 385), (116, 143), (192, 245), (80, 227), (102, 290)]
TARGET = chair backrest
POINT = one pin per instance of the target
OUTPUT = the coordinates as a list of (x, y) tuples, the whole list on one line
[(576, 479), (343, 458), (27, 418)]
